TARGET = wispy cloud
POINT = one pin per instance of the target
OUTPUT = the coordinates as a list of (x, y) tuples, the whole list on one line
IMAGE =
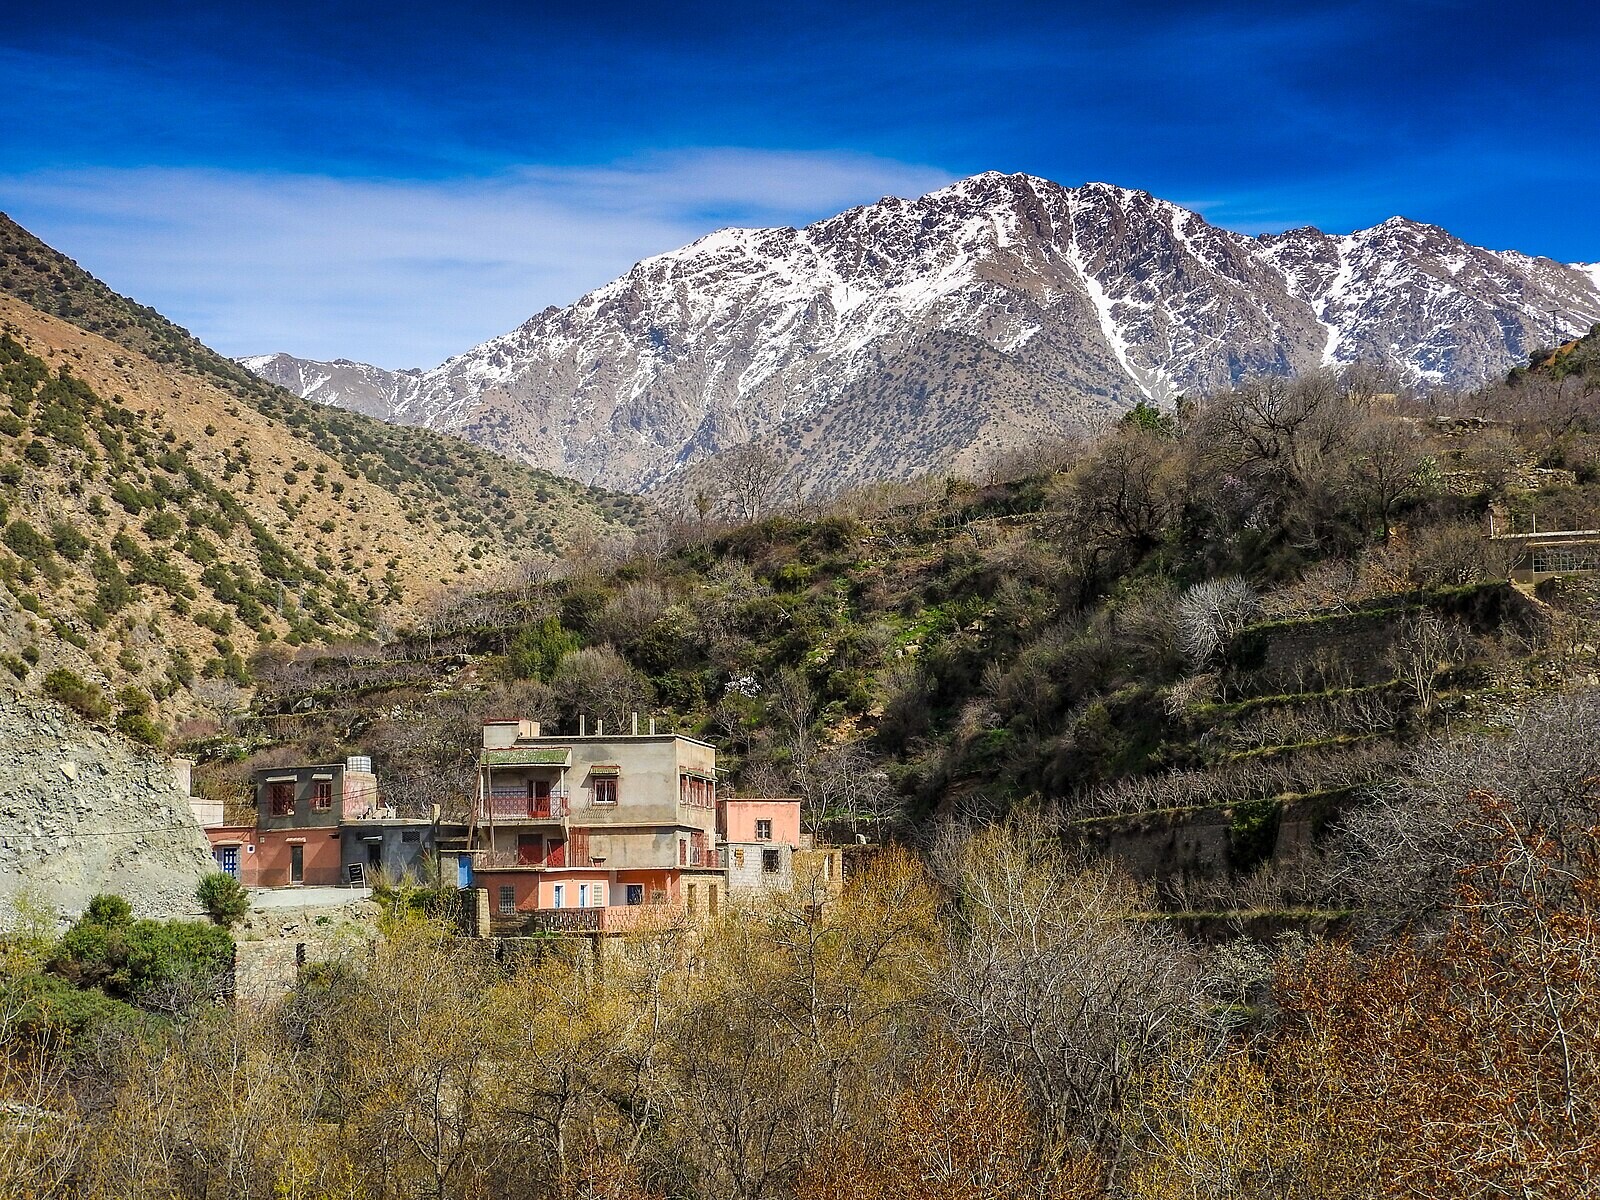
[(405, 272)]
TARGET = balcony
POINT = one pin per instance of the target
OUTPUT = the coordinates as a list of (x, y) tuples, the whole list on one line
[(633, 918), (705, 857), (510, 805), (564, 855)]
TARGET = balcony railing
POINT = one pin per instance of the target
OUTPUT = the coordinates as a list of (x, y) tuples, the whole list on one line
[(508, 804), (489, 860), (705, 857), (633, 918)]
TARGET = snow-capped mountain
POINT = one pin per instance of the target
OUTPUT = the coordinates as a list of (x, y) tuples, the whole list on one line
[(909, 335)]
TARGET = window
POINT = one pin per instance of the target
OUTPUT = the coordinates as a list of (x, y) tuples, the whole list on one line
[(605, 790), (280, 799), (692, 891), (763, 831), (598, 896), (769, 861), (561, 895), (322, 794), (508, 900), (636, 893), (411, 835), (738, 857), (683, 853), (696, 792), (583, 895)]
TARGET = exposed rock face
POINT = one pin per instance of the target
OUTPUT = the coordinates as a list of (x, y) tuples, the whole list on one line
[(979, 313), (82, 812), (356, 386)]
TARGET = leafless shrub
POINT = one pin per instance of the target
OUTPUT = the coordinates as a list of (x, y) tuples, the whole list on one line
[(1327, 769), (1193, 689), (1210, 613), (629, 613), (599, 683), (1458, 553), (1329, 586), (1040, 456), (1400, 859)]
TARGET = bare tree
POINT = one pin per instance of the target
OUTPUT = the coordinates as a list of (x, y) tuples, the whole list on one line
[(1054, 979), (1212, 612), (1385, 465), (752, 480), (1426, 646)]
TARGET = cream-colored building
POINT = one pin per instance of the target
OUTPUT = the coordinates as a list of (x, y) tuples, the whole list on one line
[(584, 832)]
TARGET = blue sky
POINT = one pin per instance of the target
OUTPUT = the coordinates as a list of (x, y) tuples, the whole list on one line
[(397, 182)]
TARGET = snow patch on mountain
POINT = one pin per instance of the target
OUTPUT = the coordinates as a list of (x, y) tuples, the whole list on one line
[(988, 296)]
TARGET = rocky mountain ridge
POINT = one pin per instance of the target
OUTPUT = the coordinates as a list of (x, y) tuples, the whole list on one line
[(1065, 303)]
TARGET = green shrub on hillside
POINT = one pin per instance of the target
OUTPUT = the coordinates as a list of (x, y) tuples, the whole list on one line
[(537, 651), (223, 897), (77, 693), (146, 962)]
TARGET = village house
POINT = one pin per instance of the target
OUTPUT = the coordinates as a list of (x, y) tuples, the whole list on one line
[(759, 842), (319, 824), (593, 832), (610, 833)]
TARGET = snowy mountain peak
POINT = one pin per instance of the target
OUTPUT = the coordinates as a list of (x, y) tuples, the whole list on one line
[(915, 334)]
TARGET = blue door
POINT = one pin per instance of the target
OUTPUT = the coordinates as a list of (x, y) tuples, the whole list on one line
[(463, 871), (228, 860)]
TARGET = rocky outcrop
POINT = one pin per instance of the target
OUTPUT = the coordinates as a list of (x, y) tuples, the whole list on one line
[(83, 812)]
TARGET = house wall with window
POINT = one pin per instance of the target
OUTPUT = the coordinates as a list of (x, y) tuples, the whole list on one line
[(300, 797), (524, 891), (234, 848), (772, 820), (754, 867), (400, 847), (630, 802), (285, 857), (291, 857)]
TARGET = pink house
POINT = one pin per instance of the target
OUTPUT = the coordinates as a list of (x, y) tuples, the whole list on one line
[(759, 841)]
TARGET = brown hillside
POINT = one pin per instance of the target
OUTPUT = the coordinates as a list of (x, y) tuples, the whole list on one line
[(157, 530)]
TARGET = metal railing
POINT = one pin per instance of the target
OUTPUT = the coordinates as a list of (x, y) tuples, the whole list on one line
[(506, 804), (633, 918), (564, 857)]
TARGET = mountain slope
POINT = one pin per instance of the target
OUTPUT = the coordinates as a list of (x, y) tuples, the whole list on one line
[(503, 509), (1084, 298), (161, 520)]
